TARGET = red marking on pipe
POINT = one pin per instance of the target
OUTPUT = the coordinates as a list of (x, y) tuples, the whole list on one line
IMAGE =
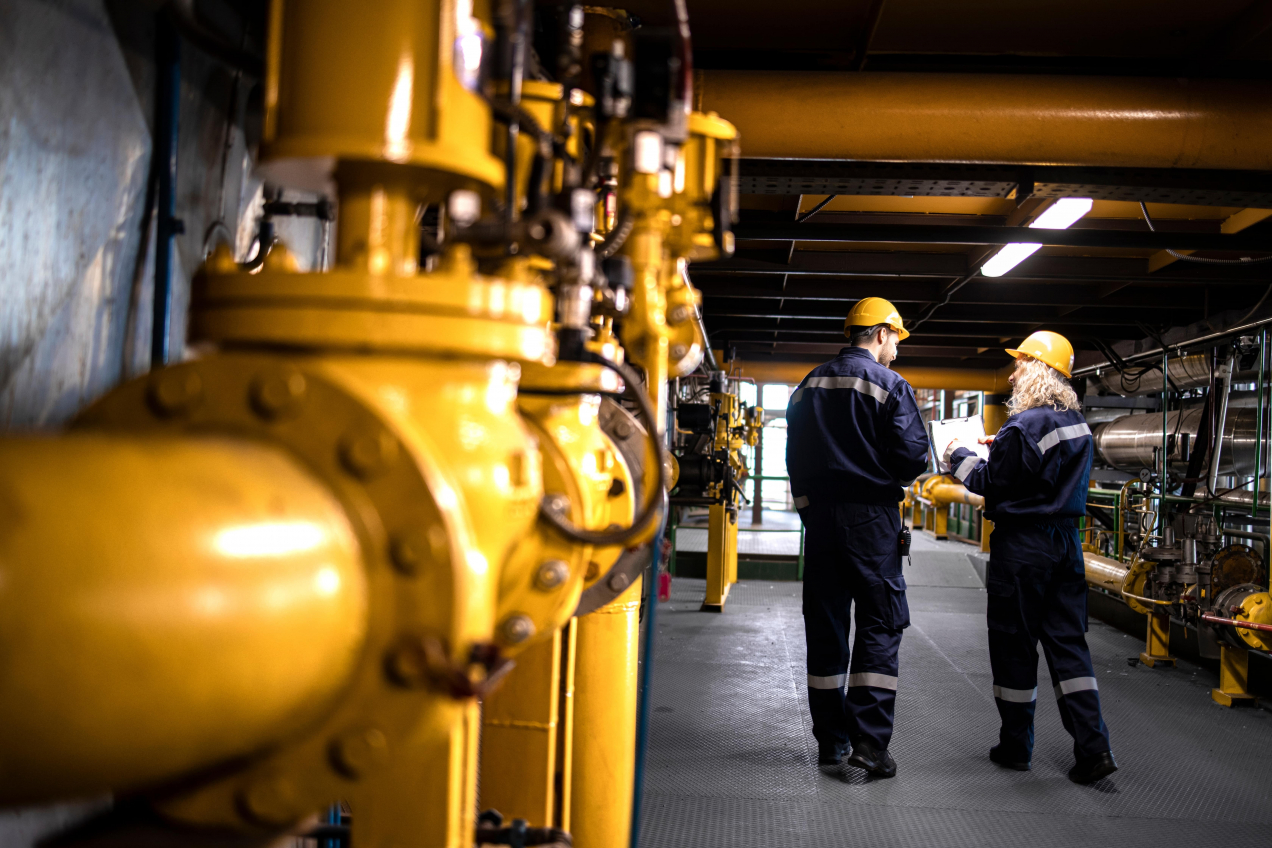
[(1244, 625)]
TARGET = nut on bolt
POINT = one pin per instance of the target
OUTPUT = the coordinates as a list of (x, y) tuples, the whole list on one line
[(679, 351), (516, 629), (409, 549), (558, 504), (618, 581), (552, 574), (175, 391), (367, 453), (272, 800), (678, 314), (359, 751), (278, 392)]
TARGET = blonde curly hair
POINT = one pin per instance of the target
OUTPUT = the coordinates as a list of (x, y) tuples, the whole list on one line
[(1038, 384)]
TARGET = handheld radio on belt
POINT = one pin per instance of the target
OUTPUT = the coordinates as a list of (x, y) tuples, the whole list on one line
[(903, 544)]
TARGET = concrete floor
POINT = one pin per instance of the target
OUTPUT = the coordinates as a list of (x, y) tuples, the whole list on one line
[(732, 759)]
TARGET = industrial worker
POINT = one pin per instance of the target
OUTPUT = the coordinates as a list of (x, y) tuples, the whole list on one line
[(1035, 487), (855, 440)]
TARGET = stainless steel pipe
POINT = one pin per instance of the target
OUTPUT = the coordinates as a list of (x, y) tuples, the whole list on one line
[(1128, 442), (1186, 372)]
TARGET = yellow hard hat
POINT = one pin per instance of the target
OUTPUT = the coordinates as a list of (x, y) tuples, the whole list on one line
[(1051, 348), (875, 310)]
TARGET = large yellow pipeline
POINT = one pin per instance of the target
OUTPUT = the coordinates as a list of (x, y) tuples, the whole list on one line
[(997, 118), (604, 744), (1104, 573), (195, 601), (920, 377)]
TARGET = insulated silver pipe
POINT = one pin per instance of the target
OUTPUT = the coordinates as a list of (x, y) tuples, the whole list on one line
[(1128, 442), (1186, 372)]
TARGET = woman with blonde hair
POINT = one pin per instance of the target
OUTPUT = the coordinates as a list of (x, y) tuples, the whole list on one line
[(1035, 486)]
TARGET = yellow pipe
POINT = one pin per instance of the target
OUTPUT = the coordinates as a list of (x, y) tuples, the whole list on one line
[(1104, 573), (1042, 120), (604, 755), (995, 416), (920, 377), (168, 605), (943, 491)]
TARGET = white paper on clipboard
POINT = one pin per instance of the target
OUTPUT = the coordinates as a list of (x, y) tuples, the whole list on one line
[(965, 430)]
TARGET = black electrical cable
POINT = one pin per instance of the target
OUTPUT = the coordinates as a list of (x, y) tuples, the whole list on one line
[(653, 500), (1184, 257), (617, 237)]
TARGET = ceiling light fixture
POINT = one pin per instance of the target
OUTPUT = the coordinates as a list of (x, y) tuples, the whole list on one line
[(1059, 216)]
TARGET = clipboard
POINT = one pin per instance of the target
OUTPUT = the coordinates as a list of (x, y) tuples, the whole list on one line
[(966, 430)]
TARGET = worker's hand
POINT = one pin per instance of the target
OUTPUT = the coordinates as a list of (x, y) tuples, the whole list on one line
[(949, 451), (988, 440)]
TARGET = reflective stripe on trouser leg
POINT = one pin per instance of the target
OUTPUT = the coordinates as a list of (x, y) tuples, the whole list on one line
[(1079, 701), (1063, 640), (826, 604), (1015, 667)]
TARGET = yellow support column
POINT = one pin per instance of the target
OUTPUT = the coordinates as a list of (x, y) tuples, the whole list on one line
[(731, 546), (718, 575), (519, 738), (565, 729), (1157, 642), (1234, 674), (941, 521), (604, 756)]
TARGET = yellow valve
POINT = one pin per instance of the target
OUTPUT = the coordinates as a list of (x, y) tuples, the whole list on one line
[(383, 84)]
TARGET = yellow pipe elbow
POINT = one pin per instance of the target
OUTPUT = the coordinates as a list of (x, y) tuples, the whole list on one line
[(166, 605)]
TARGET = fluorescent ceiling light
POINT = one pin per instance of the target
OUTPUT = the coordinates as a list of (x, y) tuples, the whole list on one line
[(1059, 216)]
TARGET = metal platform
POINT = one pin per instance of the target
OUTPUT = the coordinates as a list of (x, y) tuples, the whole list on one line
[(732, 761)]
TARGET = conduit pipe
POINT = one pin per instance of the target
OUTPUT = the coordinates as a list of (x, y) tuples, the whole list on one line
[(997, 118), (196, 600)]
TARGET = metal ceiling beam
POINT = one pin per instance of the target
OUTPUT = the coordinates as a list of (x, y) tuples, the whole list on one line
[(745, 230), (991, 293), (931, 332), (1209, 187), (1040, 267)]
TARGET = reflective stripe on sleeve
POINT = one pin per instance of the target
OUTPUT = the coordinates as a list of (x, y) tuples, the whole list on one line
[(870, 678), (1055, 437), (801, 501), (965, 468), (1016, 696), (866, 387), (1076, 684), (834, 681)]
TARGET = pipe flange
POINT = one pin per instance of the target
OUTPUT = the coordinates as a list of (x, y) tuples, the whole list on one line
[(410, 557), (1234, 602), (631, 438)]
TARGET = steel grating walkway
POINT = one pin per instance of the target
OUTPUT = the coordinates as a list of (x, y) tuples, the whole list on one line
[(732, 758)]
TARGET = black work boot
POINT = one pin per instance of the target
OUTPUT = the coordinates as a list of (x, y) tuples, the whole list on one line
[(996, 754), (830, 753), (1092, 768), (876, 762)]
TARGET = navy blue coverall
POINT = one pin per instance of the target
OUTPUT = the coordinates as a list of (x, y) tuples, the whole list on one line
[(855, 439), (1035, 485)]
